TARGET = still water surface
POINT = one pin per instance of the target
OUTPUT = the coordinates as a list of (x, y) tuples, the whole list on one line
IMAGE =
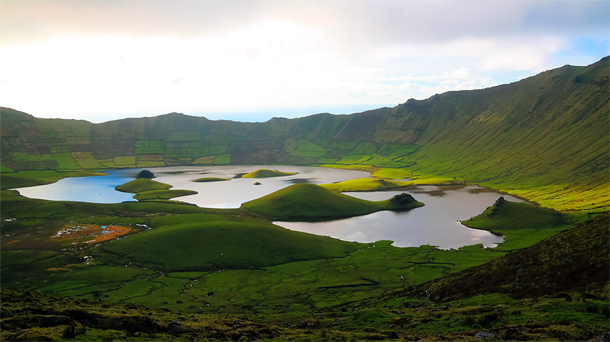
[(437, 223)]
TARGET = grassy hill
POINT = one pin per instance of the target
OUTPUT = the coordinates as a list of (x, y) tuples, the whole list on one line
[(150, 190), (142, 184), (213, 242), (263, 173), (525, 222), (544, 138), (313, 202)]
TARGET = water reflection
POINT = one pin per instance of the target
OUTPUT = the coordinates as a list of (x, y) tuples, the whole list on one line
[(437, 223)]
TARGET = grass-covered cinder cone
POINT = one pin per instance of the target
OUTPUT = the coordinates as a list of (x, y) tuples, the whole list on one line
[(142, 184), (211, 242), (312, 202), (522, 224), (150, 190), (264, 173)]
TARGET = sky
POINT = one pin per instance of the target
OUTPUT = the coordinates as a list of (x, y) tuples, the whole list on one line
[(101, 60)]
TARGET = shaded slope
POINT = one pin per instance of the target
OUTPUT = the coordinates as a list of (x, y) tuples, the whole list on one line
[(571, 260)]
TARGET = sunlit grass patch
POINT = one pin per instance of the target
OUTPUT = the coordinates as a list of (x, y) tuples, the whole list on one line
[(389, 173), (5, 169), (222, 159), (128, 161), (364, 184)]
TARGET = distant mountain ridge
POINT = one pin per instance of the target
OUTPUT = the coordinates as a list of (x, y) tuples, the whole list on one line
[(544, 134)]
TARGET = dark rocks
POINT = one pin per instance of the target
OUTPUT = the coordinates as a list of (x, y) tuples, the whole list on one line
[(402, 200), (494, 210), (303, 324), (145, 174), (484, 335), (604, 337)]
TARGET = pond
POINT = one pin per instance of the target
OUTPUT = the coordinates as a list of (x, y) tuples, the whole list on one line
[(437, 223)]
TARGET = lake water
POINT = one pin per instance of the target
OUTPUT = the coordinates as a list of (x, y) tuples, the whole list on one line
[(437, 223)]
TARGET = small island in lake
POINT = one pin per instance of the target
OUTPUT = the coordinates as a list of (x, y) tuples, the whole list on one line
[(210, 179), (264, 173), (149, 190), (312, 202)]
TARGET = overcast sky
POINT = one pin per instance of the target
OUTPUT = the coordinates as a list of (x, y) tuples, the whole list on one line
[(101, 60)]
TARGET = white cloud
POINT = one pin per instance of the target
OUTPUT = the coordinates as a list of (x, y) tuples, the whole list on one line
[(98, 57)]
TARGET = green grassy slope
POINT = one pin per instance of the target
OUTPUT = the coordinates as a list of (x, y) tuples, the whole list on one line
[(213, 242), (547, 133), (313, 202)]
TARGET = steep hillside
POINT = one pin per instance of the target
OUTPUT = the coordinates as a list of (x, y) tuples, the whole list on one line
[(544, 138), (572, 260)]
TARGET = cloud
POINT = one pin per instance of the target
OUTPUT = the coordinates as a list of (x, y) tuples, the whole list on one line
[(139, 58)]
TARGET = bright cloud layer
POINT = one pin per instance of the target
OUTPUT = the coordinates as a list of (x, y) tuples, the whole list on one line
[(102, 60)]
